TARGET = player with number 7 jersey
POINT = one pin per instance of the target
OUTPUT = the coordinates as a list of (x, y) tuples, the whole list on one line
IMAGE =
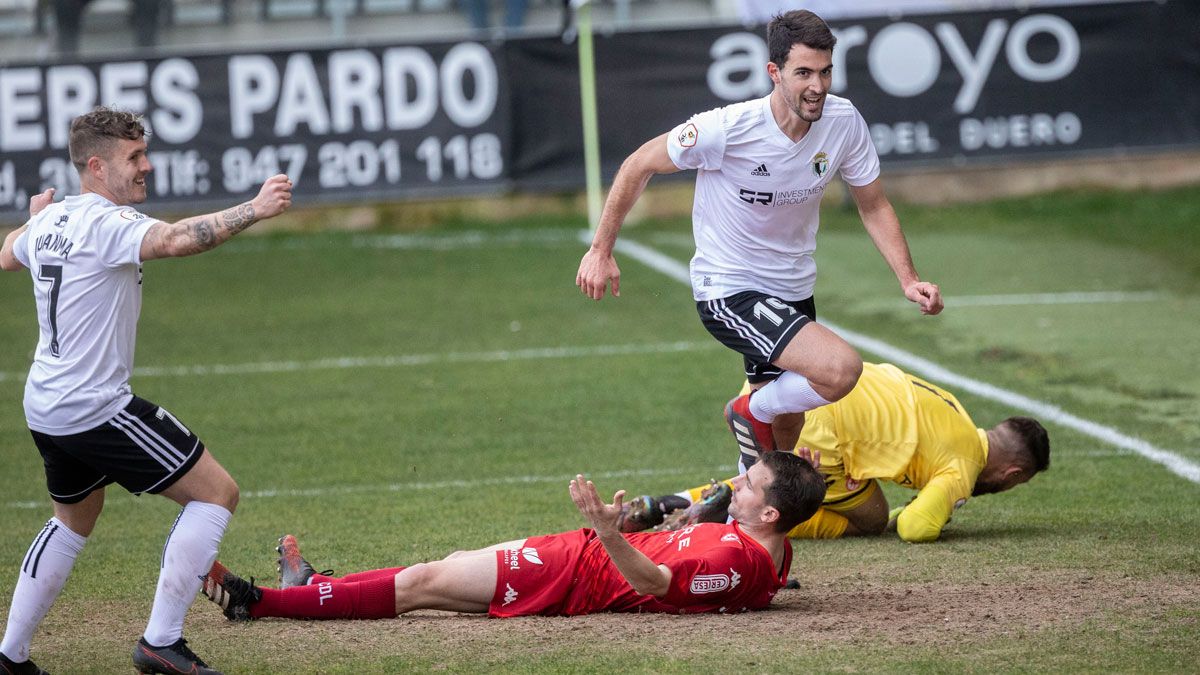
[(85, 255)]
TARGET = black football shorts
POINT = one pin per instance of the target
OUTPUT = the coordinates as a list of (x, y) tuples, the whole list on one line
[(143, 448), (758, 326)]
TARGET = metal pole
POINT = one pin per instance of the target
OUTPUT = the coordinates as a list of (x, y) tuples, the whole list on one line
[(591, 135)]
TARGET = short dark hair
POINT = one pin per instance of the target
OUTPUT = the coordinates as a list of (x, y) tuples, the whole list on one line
[(1034, 452), (797, 27), (796, 491), (93, 133)]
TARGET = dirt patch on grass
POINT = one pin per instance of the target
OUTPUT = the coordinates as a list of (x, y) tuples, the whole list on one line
[(896, 613), (849, 612), (845, 611)]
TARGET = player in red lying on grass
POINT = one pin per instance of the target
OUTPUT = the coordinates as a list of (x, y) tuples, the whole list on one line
[(711, 567)]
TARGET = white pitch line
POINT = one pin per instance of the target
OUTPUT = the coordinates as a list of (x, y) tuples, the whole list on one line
[(446, 484), (1174, 463), (404, 360)]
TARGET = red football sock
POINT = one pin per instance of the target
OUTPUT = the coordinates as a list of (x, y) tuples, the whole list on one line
[(357, 576), (374, 599)]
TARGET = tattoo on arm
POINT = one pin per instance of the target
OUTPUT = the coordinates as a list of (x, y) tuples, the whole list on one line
[(238, 218), (203, 235)]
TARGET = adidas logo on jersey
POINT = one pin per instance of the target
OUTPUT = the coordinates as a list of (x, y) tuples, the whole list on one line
[(760, 171)]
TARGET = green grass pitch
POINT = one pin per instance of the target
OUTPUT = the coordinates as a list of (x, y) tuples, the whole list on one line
[(394, 396)]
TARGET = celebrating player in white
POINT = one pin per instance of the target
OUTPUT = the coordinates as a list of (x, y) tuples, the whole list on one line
[(762, 167), (85, 255)]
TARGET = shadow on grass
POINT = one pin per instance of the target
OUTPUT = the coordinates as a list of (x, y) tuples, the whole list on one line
[(1003, 532)]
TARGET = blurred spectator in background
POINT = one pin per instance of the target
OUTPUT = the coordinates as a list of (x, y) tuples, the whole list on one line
[(68, 17), (144, 18), (479, 13)]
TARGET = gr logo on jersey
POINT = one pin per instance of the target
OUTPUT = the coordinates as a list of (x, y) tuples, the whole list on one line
[(755, 197)]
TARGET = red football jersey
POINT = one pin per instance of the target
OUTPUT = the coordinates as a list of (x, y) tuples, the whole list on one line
[(714, 568)]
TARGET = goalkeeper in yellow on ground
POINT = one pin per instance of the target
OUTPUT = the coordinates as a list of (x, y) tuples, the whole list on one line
[(893, 427)]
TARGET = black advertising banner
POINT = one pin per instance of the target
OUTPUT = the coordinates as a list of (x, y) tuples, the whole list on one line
[(937, 89), (396, 121), (344, 124)]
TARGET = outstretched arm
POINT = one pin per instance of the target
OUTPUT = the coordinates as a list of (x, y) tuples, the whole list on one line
[(8, 260), (642, 574), (202, 233), (883, 225), (598, 266), (923, 518)]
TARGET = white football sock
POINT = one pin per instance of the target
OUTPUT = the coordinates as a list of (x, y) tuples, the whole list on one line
[(44, 570), (187, 556), (788, 393)]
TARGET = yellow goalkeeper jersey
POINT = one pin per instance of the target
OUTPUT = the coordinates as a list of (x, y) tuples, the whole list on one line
[(897, 427)]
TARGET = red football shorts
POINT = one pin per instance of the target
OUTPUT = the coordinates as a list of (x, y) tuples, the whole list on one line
[(537, 578)]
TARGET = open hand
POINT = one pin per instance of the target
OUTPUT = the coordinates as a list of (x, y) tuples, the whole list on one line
[(813, 457), (604, 518)]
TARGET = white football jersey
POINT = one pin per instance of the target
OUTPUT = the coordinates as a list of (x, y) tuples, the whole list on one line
[(84, 254), (758, 194)]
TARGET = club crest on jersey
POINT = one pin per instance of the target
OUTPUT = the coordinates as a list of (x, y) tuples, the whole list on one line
[(687, 137), (820, 164)]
